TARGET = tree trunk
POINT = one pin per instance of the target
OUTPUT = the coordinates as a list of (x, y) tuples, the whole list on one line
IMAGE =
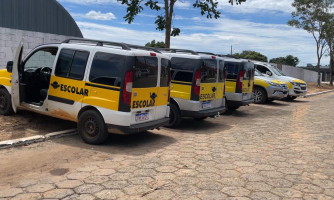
[(168, 25), (331, 68), (319, 74)]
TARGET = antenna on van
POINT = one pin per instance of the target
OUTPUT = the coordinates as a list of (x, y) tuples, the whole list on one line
[(178, 51), (96, 42)]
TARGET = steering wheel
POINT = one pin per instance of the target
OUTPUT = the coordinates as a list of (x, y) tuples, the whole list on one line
[(45, 73)]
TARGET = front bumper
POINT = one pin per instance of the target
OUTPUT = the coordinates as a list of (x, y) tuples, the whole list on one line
[(298, 90), (203, 113), (275, 92), (137, 128)]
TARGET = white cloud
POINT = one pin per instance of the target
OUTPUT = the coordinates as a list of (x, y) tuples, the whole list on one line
[(97, 15), (85, 2), (269, 39), (180, 4), (256, 6)]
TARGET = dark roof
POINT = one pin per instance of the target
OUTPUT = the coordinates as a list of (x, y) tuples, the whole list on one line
[(46, 16)]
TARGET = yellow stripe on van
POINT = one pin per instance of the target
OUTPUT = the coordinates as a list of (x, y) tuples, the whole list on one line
[(162, 98), (220, 90), (181, 91), (141, 97), (68, 89), (247, 86), (207, 93), (231, 86), (5, 77)]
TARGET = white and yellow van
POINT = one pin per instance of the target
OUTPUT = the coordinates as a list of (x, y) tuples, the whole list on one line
[(198, 84), (103, 86), (239, 82)]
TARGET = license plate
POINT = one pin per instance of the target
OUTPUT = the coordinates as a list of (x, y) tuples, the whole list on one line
[(206, 105), (142, 117)]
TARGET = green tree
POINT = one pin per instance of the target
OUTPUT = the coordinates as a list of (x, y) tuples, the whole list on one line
[(329, 37), (163, 21), (311, 15), (155, 44), (252, 55), (288, 60)]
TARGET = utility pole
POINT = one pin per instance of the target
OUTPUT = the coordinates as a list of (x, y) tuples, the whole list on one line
[(231, 50)]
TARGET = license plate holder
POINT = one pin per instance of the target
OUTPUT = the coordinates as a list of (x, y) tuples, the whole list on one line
[(206, 105), (245, 97), (141, 117)]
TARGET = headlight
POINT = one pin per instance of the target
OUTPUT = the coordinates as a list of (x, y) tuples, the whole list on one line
[(273, 84), (293, 83)]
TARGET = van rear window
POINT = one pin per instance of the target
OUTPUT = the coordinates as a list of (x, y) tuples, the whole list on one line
[(107, 69), (165, 69), (145, 73), (221, 71), (232, 70), (184, 76), (186, 63), (209, 71)]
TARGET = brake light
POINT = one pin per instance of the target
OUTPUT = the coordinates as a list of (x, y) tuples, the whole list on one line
[(241, 79), (224, 89), (197, 85), (153, 54), (213, 57), (127, 88)]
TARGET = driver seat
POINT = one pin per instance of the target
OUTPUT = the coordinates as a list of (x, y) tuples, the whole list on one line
[(43, 93)]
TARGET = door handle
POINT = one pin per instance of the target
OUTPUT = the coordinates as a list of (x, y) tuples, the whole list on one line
[(55, 85)]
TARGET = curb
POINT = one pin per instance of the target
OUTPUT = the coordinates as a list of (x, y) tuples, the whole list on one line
[(35, 139), (318, 93)]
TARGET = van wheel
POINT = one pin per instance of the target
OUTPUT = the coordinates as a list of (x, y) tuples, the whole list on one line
[(92, 128), (232, 108), (5, 102), (174, 116), (260, 96)]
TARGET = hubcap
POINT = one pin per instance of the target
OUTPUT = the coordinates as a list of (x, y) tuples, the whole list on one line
[(258, 96), (91, 127)]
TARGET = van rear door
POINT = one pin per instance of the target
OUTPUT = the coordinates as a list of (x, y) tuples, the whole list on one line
[(144, 89), (209, 85), (163, 90), (248, 78)]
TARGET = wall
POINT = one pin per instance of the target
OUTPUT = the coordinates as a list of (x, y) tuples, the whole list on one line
[(300, 73), (10, 39)]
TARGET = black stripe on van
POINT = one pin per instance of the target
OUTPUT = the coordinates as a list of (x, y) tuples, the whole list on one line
[(61, 100), (103, 87)]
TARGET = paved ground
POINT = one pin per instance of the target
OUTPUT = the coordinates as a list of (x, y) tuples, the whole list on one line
[(277, 151)]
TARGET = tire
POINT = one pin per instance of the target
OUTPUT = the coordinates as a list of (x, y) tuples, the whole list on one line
[(91, 127), (260, 96), (200, 118), (232, 108), (291, 98), (5, 102), (174, 116)]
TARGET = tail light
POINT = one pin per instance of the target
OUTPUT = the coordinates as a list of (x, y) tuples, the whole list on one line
[(197, 82), (127, 89), (241, 79)]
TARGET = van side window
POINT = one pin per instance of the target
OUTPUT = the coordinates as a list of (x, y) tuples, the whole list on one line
[(107, 69), (221, 71), (209, 72), (262, 69), (145, 72), (232, 70), (71, 64), (165, 69), (183, 76)]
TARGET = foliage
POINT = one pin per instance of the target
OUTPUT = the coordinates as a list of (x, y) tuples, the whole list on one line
[(288, 60), (329, 37), (311, 15), (155, 44), (208, 8), (252, 55)]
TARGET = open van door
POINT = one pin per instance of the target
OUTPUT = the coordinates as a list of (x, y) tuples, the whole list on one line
[(15, 90)]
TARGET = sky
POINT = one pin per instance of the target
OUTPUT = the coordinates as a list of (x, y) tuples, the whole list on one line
[(257, 25)]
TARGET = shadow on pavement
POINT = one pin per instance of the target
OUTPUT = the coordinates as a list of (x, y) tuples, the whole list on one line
[(237, 113)]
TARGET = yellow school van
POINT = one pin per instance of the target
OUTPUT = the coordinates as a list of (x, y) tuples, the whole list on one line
[(198, 84), (103, 86), (239, 82)]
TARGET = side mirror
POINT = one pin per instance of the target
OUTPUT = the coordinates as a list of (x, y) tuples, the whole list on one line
[(269, 73), (10, 66)]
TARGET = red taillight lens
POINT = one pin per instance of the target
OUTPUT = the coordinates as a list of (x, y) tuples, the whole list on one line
[(241, 79), (224, 89), (197, 85), (153, 54), (127, 88)]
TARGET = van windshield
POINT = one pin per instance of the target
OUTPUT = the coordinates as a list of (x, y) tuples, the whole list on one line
[(209, 72), (277, 71), (145, 72)]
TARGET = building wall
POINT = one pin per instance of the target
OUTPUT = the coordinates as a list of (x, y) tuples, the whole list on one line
[(10, 39), (300, 73)]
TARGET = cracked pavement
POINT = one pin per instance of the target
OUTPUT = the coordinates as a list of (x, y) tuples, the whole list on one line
[(283, 150)]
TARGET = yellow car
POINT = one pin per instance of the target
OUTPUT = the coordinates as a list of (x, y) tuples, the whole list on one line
[(268, 89)]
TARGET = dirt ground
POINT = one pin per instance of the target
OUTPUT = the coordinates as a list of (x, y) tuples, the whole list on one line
[(313, 87), (25, 124)]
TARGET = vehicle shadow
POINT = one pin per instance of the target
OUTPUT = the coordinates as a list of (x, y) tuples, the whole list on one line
[(295, 101), (237, 113), (207, 126), (275, 103)]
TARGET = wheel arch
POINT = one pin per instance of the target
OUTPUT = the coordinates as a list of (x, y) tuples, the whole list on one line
[(172, 101), (83, 109), (264, 89)]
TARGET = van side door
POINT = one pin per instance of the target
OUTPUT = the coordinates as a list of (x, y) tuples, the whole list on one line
[(67, 85), (15, 82)]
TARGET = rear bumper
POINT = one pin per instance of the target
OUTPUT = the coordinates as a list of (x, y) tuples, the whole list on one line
[(237, 99), (137, 128), (203, 113)]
